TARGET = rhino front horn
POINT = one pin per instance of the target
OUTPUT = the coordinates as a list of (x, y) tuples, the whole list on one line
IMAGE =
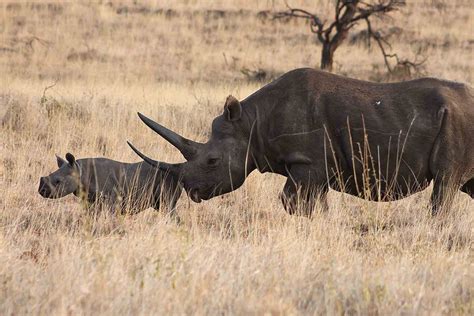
[(173, 169), (187, 147)]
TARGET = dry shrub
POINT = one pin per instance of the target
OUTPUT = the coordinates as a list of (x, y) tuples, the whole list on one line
[(16, 116), (55, 108)]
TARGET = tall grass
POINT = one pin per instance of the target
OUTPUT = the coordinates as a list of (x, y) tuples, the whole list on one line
[(239, 253)]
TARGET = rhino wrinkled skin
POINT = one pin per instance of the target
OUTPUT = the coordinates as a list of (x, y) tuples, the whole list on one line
[(378, 141), (129, 187)]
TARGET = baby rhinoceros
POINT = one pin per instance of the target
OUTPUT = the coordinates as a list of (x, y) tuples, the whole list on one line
[(125, 187)]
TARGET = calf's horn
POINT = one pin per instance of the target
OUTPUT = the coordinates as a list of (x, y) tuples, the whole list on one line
[(173, 169)]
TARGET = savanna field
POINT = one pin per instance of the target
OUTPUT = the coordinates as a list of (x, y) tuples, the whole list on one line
[(72, 77)]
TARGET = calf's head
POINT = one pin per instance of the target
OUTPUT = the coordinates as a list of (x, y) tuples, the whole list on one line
[(213, 168), (63, 181)]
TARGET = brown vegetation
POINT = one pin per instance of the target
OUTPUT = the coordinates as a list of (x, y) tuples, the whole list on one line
[(240, 253)]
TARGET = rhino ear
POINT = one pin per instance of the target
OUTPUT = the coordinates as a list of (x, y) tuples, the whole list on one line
[(70, 158), (60, 161), (232, 109)]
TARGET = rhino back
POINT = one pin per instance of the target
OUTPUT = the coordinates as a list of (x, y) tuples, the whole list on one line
[(314, 117), (118, 180)]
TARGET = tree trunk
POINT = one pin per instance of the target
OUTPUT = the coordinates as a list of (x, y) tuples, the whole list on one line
[(327, 55)]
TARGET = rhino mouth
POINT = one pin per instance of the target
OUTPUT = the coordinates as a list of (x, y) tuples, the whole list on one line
[(198, 195), (194, 195), (49, 191), (44, 190), (46, 193)]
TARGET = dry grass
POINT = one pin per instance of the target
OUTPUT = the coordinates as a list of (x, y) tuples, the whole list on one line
[(240, 253)]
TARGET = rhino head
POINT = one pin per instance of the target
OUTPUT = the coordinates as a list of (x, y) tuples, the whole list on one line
[(216, 167), (63, 181)]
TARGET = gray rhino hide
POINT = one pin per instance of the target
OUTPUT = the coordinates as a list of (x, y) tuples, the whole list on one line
[(130, 187)]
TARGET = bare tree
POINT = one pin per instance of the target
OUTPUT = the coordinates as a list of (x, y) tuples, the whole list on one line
[(349, 13)]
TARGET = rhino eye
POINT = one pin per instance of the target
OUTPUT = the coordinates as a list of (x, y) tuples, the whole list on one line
[(56, 182), (212, 162)]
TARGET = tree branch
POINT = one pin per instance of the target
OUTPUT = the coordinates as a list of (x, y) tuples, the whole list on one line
[(386, 56), (347, 14), (316, 25)]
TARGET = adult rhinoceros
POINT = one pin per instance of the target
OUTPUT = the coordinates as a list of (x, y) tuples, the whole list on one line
[(382, 141)]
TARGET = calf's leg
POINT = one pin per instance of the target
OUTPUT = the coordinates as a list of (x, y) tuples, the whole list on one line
[(169, 197)]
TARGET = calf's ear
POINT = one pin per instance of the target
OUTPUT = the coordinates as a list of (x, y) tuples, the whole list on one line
[(70, 158), (60, 161), (232, 109)]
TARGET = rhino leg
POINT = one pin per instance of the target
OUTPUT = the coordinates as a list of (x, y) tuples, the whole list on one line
[(442, 196), (302, 189), (444, 190), (437, 197), (451, 164)]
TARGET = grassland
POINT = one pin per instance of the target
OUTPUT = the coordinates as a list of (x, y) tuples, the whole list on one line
[(239, 253)]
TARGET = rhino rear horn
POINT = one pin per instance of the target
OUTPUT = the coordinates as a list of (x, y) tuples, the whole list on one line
[(173, 169), (187, 147)]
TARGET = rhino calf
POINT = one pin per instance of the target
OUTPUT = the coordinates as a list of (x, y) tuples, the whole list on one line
[(126, 187)]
